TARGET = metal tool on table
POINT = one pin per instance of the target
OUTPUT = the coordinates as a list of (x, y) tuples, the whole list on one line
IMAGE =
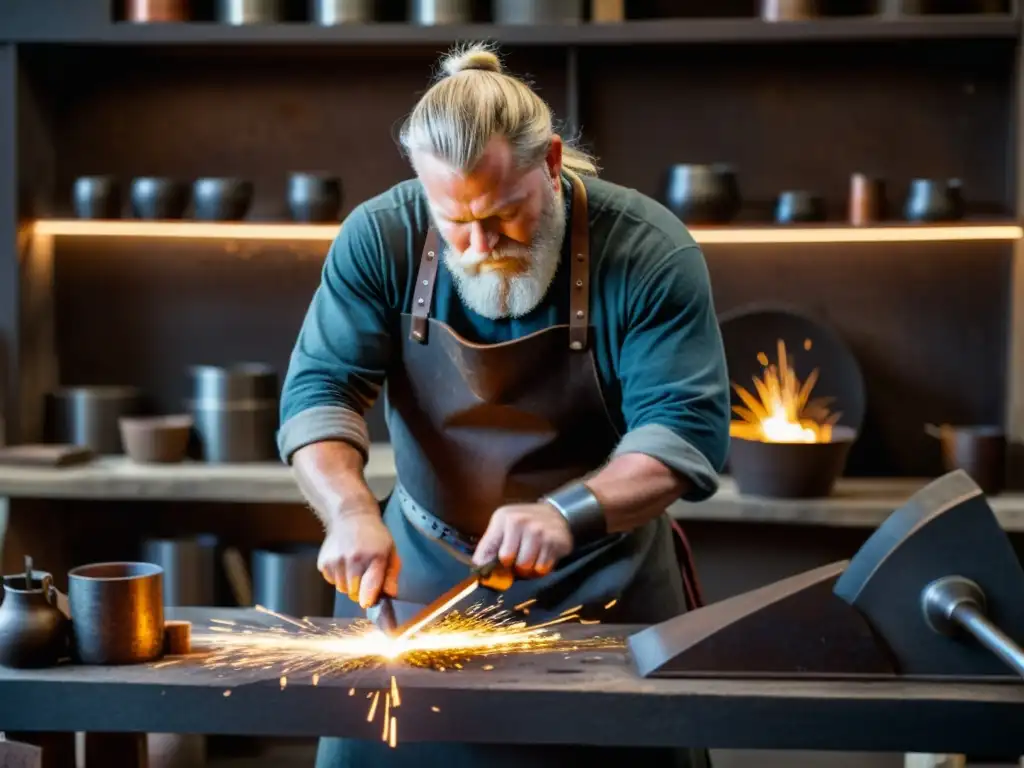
[(937, 592), (493, 576)]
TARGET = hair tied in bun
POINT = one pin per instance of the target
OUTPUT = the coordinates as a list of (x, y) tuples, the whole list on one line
[(477, 56)]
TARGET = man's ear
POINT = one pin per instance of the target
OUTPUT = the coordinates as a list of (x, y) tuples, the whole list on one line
[(554, 159)]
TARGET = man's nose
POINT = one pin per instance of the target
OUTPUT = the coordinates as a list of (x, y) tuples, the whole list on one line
[(481, 240)]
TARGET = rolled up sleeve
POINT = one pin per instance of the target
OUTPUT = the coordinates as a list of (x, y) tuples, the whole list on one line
[(675, 388), (337, 367)]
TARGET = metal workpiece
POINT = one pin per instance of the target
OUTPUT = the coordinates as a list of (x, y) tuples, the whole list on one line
[(383, 615)]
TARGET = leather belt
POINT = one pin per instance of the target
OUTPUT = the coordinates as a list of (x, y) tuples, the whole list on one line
[(432, 526)]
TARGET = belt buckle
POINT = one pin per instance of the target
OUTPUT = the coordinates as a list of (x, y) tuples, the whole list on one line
[(452, 538)]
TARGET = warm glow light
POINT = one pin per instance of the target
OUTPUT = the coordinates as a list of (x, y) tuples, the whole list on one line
[(713, 235), (199, 230), (880, 234)]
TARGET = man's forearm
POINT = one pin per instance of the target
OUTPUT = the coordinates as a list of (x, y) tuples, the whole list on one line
[(634, 488), (330, 477)]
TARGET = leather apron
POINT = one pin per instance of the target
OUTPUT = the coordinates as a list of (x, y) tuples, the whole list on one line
[(475, 427)]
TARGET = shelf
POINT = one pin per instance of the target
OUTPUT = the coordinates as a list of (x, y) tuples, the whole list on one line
[(896, 233), (856, 502), (32, 28)]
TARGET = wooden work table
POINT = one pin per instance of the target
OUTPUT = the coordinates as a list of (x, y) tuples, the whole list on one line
[(855, 502), (551, 698)]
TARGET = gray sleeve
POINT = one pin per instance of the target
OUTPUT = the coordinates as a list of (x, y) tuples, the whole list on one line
[(323, 422), (669, 448)]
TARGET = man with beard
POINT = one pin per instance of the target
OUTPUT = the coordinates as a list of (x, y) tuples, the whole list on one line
[(550, 389)]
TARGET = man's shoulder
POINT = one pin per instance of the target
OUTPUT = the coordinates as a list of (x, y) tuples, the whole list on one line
[(628, 224), (402, 206), (387, 227)]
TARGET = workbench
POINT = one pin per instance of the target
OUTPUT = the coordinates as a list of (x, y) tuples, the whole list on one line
[(589, 697)]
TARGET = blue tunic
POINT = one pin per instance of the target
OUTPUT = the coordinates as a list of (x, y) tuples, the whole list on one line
[(656, 341)]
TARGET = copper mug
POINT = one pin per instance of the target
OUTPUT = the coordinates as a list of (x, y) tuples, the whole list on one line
[(789, 10), (867, 199), (146, 11)]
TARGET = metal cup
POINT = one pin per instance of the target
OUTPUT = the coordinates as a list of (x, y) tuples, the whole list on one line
[(248, 11), (117, 612), (330, 12)]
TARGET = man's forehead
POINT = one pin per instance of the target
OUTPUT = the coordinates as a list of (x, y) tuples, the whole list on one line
[(494, 181)]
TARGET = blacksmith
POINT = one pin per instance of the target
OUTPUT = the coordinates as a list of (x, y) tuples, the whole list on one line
[(554, 372)]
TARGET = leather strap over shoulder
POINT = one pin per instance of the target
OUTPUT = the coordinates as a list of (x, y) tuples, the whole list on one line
[(424, 293), (579, 272)]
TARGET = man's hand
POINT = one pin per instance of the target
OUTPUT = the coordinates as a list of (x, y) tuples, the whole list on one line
[(358, 557), (530, 537)]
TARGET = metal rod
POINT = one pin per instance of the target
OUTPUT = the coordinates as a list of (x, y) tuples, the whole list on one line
[(973, 621), (955, 603)]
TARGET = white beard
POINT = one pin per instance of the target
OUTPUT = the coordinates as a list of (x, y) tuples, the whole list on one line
[(498, 294)]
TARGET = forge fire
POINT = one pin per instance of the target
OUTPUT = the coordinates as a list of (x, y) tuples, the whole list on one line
[(782, 411)]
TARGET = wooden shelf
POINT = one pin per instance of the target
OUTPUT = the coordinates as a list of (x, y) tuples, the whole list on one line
[(855, 503), (734, 235), (38, 28)]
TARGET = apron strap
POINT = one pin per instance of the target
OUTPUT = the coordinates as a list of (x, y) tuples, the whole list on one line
[(684, 555), (579, 269), (424, 293)]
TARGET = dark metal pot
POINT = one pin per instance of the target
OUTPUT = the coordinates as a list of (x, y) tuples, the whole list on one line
[(703, 194), (239, 381), (159, 198), (222, 199), (248, 11), (236, 432), (795, 206), (979, 450), (330, 12), (789, 470), (117, 612), (286, 579), (933, 200), (440, 11), (190, 568), (33, 630), (97, 197), (314, 197), (90, 416), (538, 11)]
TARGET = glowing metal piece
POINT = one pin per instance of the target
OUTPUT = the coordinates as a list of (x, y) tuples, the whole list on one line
[(439, 607)]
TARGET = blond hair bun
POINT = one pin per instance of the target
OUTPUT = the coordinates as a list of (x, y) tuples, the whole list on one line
[(474, 57)]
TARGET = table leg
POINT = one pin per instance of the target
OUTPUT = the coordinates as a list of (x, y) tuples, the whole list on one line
[(58, 748), (125, 750)]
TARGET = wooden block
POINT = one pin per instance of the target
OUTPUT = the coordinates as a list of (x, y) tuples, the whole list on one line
[(177, 637), (41, 455)]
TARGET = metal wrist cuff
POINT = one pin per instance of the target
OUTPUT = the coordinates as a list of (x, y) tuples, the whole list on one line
[(581, 509)]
